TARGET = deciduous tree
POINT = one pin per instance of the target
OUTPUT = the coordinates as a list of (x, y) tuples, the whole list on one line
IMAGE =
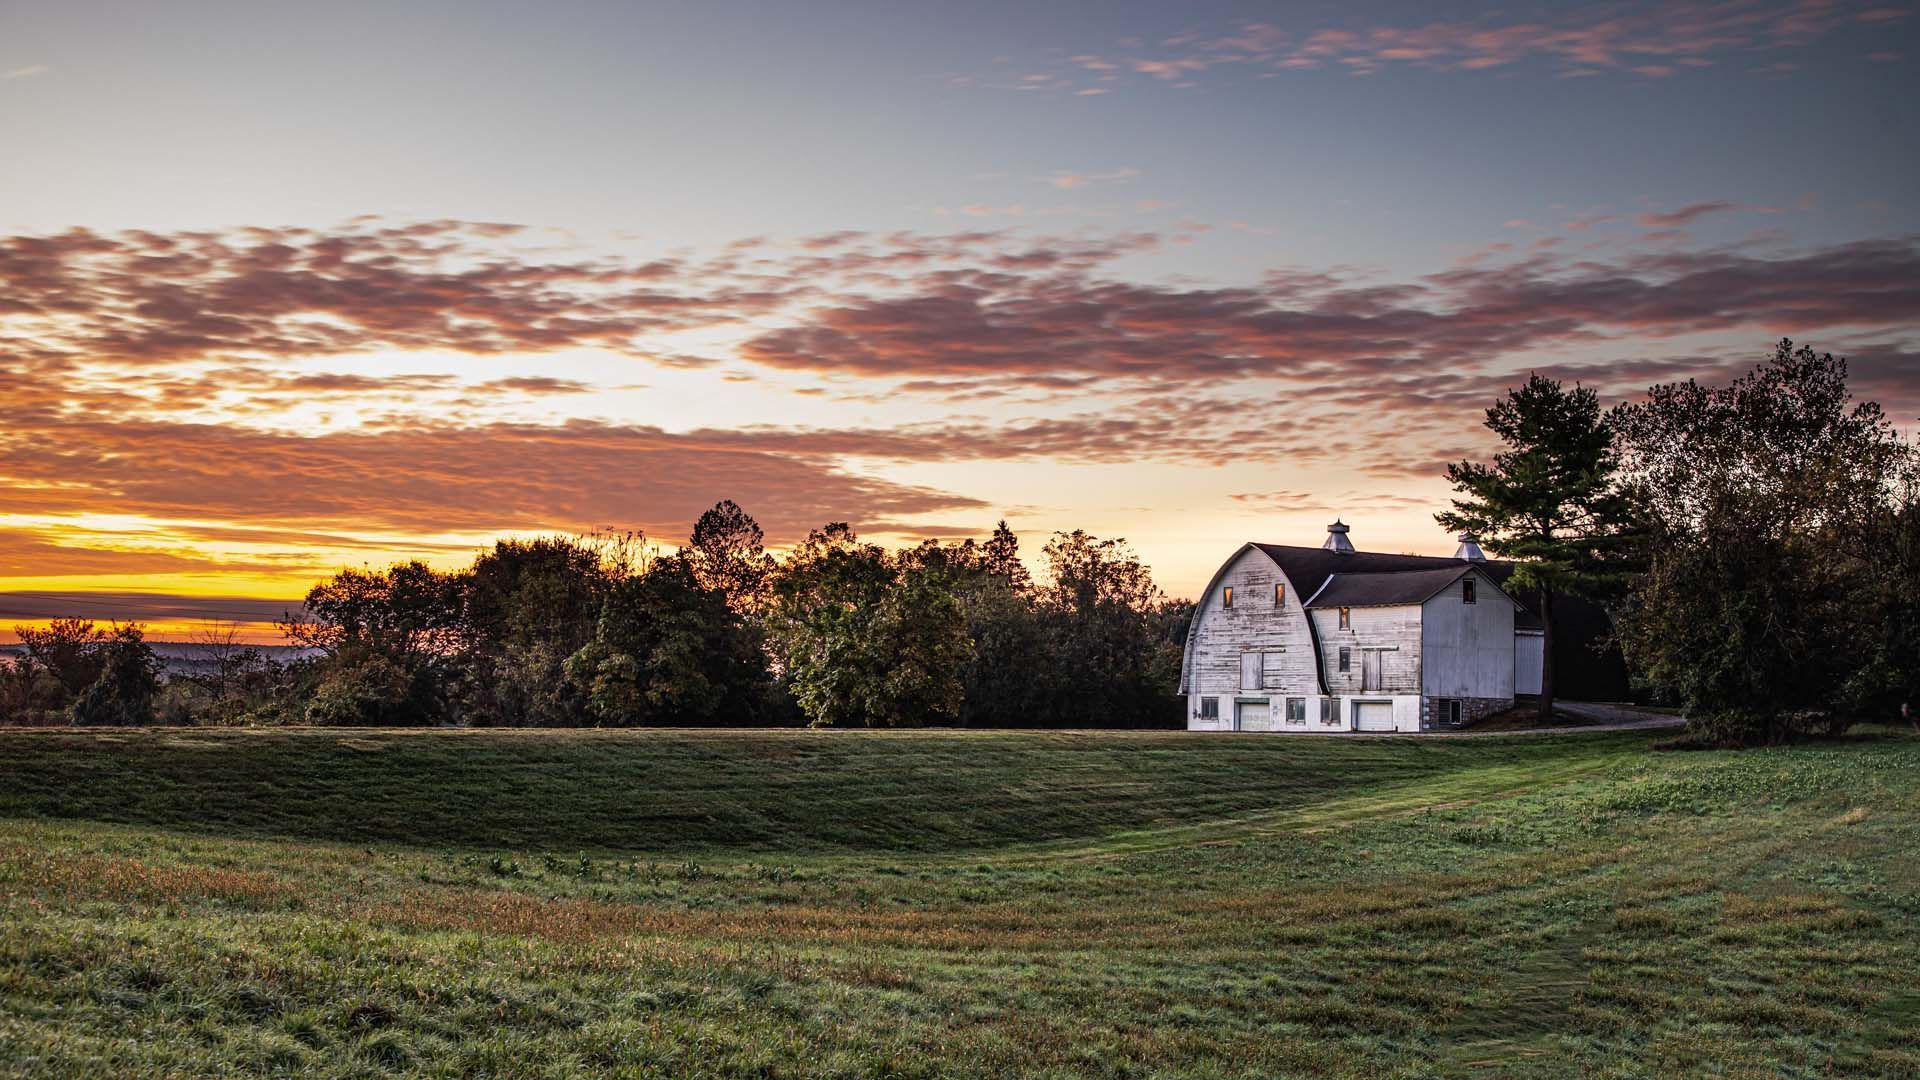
[(128, 682), (863, 639), (69, 649), (1772, 504)]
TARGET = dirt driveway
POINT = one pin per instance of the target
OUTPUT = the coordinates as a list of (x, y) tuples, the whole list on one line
[(1605, 716)]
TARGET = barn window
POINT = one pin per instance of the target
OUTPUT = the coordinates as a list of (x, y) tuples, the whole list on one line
[(1346, 657), (1447, 711), (1280, 594), (1346, 620), (1296, 710), (1226, 596), (1328, 714), (1466, 591), (1210, 708)]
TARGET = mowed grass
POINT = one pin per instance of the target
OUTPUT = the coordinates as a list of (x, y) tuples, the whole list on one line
[(788, 904), (690, 791)]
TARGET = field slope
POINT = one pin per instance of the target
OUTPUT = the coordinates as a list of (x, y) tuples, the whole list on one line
[(786, 904)]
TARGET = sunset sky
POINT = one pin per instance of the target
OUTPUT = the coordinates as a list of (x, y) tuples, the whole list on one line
[(286, 288)]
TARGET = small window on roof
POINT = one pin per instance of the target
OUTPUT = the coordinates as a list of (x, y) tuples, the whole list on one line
[(1346, 618), (1226, 596), (1466, 591), (1279, 594)]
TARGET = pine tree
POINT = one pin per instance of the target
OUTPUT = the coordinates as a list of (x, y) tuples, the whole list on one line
[(1550, 501)]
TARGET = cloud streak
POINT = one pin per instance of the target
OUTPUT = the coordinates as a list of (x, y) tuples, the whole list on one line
[(257, 293), (1014, 327), (1650, 40), (573, 476)]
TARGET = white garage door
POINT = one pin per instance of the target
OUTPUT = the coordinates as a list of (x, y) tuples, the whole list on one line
[(1252, 716), (1373, 715)]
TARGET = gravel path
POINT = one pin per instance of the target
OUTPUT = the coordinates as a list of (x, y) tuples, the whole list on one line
[(1610, 717)]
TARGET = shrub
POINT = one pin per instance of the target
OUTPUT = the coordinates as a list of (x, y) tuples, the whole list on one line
[(369, 692), (128, 683)]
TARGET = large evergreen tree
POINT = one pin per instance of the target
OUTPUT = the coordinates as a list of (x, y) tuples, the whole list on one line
[(1550, 501)]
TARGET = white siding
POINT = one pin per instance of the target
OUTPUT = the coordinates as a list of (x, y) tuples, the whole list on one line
[(1406, 714), (1528, 658), (1220, 636), (1468, 648), (1392, 631)]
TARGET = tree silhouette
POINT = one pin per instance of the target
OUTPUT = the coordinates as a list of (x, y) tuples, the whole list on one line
[(1551, 501)]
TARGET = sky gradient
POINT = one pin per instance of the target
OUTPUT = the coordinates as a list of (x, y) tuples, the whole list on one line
[(284, 290)]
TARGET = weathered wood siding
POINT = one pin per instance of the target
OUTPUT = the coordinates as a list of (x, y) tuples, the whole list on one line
[(1528, 654), (1468, 648), (1394, 632), (1221, 635)]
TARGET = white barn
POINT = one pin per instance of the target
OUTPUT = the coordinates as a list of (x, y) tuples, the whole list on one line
[(1331, 639)]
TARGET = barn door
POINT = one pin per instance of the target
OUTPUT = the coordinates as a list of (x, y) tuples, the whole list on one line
[(1250, 666), (1370, 670)]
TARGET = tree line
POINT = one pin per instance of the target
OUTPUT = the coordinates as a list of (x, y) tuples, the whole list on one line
[(606, 630), (1757, 544)]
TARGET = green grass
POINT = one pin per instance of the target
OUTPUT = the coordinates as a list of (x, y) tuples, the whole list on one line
[(787, 904), (800, 791)]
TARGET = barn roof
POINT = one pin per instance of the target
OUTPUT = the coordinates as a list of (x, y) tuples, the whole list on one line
[(1309, 568), (1394, 587)]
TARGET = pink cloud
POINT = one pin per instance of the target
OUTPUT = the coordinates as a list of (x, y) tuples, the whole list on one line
[(1653, 41), (1684, 215)]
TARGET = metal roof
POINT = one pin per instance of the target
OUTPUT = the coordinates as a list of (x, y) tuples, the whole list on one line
[(1395, 587), (1308, 568)]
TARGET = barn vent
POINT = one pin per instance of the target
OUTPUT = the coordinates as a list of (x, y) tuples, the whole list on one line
[(1470, 548), (1337, 541)]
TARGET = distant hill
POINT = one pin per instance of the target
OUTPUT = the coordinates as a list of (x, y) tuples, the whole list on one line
[(187, 658)]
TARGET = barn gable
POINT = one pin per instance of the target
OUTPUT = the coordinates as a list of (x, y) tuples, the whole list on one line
[(1258, 621)]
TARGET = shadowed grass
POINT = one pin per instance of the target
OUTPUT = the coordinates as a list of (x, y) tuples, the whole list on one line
[(1387, 908), (677, 791)]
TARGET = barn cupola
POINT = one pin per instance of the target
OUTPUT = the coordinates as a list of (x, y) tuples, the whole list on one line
[(1337, 541), (1470, 548)]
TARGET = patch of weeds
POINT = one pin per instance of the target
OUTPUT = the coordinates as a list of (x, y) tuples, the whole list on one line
[(369, 1016)]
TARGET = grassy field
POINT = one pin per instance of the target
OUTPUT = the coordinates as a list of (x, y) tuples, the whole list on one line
[(788, 904)]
